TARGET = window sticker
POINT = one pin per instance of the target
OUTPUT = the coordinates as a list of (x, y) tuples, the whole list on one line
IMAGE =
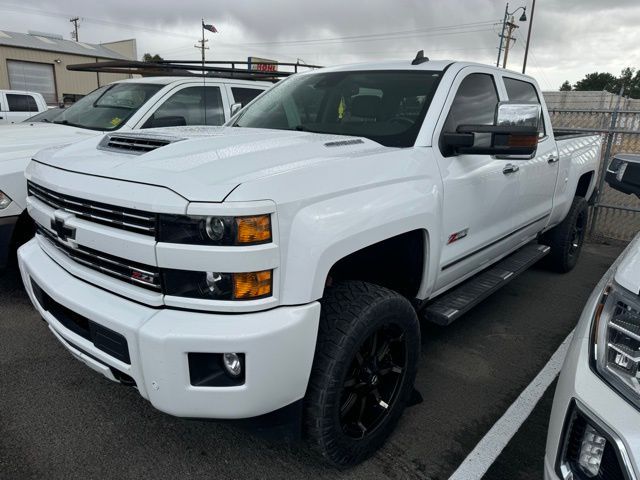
[(342, 107)]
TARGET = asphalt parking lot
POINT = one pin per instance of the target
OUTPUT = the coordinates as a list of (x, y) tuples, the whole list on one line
[(58, 419)]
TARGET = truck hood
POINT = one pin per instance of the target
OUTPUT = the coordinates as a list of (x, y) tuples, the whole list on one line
[(205, 164), (25, 139)]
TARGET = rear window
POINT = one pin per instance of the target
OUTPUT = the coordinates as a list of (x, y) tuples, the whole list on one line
[(21, 103), (521, 91), (244, 95)]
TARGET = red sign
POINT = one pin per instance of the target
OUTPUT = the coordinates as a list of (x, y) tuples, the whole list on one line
[(263, 64)]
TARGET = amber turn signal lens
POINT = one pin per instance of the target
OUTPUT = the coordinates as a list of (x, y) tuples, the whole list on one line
[(252, 285), (254, 229), (523, 140)]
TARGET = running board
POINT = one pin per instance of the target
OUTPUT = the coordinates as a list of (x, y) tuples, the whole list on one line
[(453, 304)]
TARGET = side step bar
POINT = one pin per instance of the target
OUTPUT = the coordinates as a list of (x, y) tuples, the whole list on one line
[(456, 302)]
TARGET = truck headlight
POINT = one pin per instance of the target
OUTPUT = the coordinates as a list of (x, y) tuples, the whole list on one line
[(5, 201), (201, 230), (616, 340), (218, 286)]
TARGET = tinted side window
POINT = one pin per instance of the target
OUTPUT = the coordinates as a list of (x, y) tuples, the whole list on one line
[(244, 95), (474, 104), (21, 103), (190, 106), (521, 91)]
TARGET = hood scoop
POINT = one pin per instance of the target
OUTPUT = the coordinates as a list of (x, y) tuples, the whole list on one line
[(135, 144)]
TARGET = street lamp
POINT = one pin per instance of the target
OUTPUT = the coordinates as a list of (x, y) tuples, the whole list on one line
[(507, 14)]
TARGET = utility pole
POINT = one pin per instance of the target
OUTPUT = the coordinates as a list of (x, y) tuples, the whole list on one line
[(511, 26), (202, 46), (74, 34), (504, 22)]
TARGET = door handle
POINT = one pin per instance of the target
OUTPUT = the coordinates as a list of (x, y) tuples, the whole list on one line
[(552, 159), (510, 168)]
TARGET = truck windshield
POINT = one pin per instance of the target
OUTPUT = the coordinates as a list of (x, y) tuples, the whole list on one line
[(386, 106), (108, 107)]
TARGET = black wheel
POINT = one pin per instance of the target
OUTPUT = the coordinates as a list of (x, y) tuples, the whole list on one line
[(363, 371), (566, 239)]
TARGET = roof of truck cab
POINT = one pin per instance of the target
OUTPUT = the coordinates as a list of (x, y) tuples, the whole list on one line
[(169, 80), (429, 65), (20, 92)]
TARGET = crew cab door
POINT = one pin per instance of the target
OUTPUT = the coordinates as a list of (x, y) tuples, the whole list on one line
[(538, 175), (479, 191), (190, 104)]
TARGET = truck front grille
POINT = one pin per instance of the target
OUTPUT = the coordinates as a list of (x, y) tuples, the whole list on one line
[(139, 274), (117, 217)]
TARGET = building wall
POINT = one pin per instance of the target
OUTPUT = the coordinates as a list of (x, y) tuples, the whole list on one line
[(67, 82)]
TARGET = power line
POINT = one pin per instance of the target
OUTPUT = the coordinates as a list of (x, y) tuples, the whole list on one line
[(20, 9), (367, 37)]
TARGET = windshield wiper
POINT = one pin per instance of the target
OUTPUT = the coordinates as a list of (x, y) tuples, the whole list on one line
[(302, 128), (69, 124)]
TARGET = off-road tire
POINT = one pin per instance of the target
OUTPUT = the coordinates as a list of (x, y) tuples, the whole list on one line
[(566, 239), (351, 313)]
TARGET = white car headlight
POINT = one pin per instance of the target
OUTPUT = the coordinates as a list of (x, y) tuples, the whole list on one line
[(616, 341), (5, 201)]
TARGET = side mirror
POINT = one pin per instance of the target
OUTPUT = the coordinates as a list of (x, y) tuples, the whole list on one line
[(514, 132), (235, 108), (623, 173)]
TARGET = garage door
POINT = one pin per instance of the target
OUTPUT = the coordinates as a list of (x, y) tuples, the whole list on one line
[(33, 77)]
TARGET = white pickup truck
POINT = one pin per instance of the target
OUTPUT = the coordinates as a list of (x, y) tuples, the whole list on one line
[(282, 261), (122, 106), (17, 106)]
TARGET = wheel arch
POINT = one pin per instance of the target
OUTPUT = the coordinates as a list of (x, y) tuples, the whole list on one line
[(397, 262)]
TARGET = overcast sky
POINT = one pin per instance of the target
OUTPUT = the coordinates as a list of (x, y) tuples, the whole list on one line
[(570, 37)]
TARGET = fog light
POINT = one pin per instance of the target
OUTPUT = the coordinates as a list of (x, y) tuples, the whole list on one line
[(232, 364), (591, 451)]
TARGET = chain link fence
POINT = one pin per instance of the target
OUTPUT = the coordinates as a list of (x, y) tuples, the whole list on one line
[(615, 215)]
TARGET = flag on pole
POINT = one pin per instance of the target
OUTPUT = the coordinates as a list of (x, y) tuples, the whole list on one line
[(209, 27)]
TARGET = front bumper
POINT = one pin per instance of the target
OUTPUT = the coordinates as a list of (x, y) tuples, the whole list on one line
[(7, 227), (579, 385), (278, 344)]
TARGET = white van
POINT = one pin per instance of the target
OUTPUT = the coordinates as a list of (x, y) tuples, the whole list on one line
[(16, 106)]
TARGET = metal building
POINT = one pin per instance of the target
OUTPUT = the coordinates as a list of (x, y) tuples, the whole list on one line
[(37, 62)]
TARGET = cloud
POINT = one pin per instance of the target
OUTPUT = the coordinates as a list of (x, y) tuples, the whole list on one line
[(569, 38)]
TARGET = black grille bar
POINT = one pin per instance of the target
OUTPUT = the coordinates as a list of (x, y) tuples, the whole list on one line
[(117, 217), (139, 274)]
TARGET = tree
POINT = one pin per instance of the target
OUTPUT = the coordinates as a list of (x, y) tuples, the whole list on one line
[(630, 79), (147, 57), (594, 82), (566, 86)]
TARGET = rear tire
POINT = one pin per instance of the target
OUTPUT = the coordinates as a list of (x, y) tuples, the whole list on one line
[(567, 238), (363, 371)]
